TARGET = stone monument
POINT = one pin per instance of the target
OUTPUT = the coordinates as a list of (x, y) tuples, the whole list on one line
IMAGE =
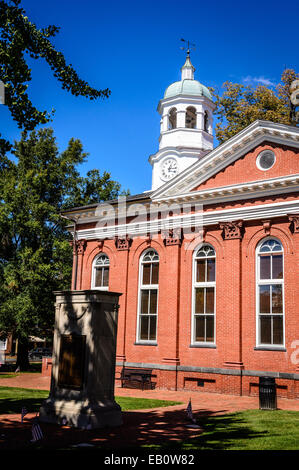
[(83, 363)]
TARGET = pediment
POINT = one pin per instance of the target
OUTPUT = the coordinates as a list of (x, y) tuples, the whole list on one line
[(233, 163)]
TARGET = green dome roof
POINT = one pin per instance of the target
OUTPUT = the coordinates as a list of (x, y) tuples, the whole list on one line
[(187, 87)]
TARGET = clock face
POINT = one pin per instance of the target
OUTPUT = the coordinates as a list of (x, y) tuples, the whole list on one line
[(169, 169)]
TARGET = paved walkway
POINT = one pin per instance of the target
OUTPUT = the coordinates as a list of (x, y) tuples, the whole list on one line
[(149, 427)]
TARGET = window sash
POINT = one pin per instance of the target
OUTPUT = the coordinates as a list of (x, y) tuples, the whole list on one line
[(270, 298), (204, 299), (148, 301), (101, 276)]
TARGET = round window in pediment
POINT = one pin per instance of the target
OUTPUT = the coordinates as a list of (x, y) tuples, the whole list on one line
[(265, 160)]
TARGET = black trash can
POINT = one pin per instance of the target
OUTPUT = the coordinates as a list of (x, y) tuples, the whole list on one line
[(267, 393)]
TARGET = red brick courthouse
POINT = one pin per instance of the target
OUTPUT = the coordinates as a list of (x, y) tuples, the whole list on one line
[(208, 259)]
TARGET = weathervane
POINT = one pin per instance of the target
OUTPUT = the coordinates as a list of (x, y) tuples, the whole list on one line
[(188, 45)]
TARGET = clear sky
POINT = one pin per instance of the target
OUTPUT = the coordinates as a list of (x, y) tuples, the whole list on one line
[(133, 48)]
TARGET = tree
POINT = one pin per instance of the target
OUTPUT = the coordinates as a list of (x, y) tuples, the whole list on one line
[(35, 253), (20, 38), (240, 105)]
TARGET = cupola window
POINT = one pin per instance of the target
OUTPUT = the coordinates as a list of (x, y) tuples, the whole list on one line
[(206, 122), (191, 117), (172, 119)]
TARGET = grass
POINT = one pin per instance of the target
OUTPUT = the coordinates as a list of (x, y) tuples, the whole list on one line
[(249, 430), (12, 399)]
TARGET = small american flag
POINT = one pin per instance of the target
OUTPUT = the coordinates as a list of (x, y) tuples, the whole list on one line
[(37, 434), (23, 413), (189, 411)]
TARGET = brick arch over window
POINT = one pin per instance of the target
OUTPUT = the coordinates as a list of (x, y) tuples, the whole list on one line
[(270, 309), (100, 272), (94, 252), (203, 294), (209, 239), (148, 293), (275, 232), (154, 244)]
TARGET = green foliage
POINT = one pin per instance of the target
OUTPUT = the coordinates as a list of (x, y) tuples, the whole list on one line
[(20, 39), (12, 399), (240, 105), (35, 253)]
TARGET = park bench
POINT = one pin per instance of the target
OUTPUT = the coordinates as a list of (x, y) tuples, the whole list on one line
[(137, 378)]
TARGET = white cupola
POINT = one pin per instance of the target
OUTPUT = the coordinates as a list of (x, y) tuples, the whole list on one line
[(186, 130)]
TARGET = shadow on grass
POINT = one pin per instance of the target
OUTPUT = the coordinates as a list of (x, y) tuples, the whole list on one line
[(150, 427), (11, 406), (165, 430), (221, 432), (13, 399)]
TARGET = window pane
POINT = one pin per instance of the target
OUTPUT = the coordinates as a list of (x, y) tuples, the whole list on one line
[(153, 301), (276, 298), (200, 270), (155, 273), (264, 299), (265, 330), (144, 327), (152, 330), (105, 277), (265, 262), (199, 328), (98, 277), (144, 301), (199, 300), (210, 300), (210, 329), (277, 270), (277, 329), (211, 270), (146, 278)]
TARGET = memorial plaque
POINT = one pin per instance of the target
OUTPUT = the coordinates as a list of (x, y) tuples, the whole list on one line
[(71, 361)]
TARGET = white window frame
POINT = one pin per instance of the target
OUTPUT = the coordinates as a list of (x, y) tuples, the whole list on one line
[(93, 274), (3, 344), (196, 285), (260, 282), (141, 287)]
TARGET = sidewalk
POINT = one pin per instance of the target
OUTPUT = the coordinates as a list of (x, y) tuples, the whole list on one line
[(150, 427)]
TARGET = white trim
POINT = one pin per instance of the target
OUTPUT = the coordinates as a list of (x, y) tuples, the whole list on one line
[(228, 152), (93, 269), (247, 190), (260, 211), (258, 283), (203, 285), (260, 155), (141, 287)]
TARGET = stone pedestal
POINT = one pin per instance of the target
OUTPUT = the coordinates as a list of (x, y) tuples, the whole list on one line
[(83, 363)]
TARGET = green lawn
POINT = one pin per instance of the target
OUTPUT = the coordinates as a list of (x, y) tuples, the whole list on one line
[(247, 430), (12, 399)]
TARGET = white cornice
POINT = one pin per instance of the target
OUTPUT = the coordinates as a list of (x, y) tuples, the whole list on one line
[(248, 190), (261, 211), (227, 153)]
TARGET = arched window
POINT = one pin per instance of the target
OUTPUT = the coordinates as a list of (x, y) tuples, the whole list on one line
[(190, 117), (206, 121), (172, 119), (100, 272), (204, 286), (148, 297), (270, 293)]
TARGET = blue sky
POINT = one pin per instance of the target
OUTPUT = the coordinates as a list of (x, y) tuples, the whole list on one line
[(133, 48)]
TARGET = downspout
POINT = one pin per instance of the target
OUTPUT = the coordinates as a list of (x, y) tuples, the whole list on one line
[(75, 238)]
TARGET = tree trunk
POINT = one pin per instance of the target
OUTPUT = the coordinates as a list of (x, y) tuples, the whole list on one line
[(22, 354)]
